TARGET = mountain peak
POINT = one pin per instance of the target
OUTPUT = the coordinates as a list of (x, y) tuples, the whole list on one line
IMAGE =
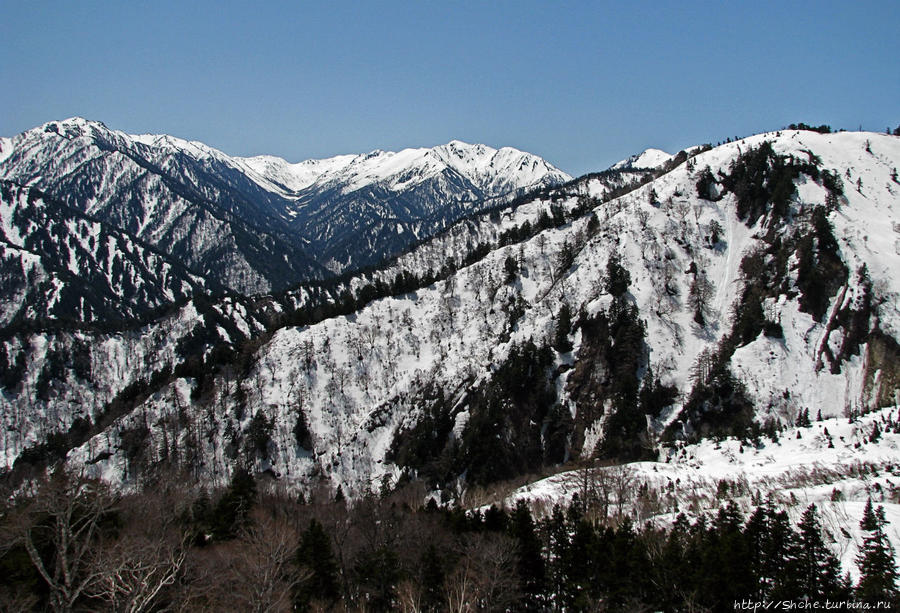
[(648, 158), (150, 184), (476, 162), (73, 127)]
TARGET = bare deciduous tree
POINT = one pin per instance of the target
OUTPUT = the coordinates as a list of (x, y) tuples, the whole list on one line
[(134, 568), (255, 572), (484, 579), (60, 528), (699, 295)]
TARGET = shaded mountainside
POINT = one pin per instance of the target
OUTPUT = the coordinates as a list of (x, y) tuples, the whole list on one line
[(183, 198), (59, 263), (728, 292)]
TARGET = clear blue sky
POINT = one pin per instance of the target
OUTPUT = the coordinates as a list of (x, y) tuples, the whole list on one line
[(582, 84)]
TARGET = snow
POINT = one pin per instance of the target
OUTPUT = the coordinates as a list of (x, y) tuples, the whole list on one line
[(649, 158), (11, 231), (6, 148), (294, 177), (316, 206), (480, 164), (357, 379), (793, 472), (456, 323)]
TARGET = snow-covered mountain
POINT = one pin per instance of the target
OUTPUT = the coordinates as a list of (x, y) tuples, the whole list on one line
[(648, 158), (490, 171), (59, 263), (388, 200), (620, 316), (182, 198), (260, 224)]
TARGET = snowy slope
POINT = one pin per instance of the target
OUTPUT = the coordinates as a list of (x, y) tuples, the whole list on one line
[(342, 395), (834, 463), (360, 382), (58, 263), (355, 210), (491, 171), (183, 198), (648, 158)]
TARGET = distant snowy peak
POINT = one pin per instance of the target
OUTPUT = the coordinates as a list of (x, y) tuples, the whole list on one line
[(494, 171), (96, 131), (649, 158), (261, 223), (292, 177)]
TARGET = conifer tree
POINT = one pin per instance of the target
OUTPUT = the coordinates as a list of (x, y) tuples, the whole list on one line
[(869, 520), (561, 340), (726, 560), (495, 519), (672, 582), (315, 555), (818, 570), (781, 555), (377, 573), (579, 562), (625, 571), (618, 279), (771, 543), (532, 572), (233, 509), (557, 532), (876, 563)]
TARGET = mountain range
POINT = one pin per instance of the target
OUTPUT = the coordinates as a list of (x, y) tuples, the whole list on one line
[(246, 225), (656, 312)]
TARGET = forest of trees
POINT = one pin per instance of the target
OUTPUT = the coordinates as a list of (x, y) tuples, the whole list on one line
[(73, 544)]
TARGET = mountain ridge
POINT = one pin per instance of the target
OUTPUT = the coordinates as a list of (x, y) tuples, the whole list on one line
[(220, 218), (440, 342)]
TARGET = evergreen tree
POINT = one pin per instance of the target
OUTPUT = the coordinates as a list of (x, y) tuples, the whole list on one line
[(314, 555), (673, 583), (781, 555), (377, 572), (655, 396), (705, 184), (233, 509), (726, 560), (432, 579), (869, 520), (625, 569), (579, 562), (301, 432), (531, 569), (495, 519), (876, 563), (511, 266), (771, 543), (818, 570), (557, 531), (561, 340), (618, 279), (259, 434)]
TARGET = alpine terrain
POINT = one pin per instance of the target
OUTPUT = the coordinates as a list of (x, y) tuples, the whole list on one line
[(645, 341), (248, 225)]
